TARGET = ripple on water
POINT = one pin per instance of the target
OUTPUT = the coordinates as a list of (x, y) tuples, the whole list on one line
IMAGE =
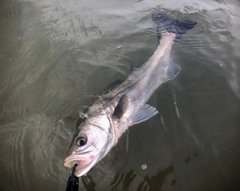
[(32, 149), (65, 48)]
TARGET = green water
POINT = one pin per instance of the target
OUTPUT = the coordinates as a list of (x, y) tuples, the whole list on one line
[(55, 56)]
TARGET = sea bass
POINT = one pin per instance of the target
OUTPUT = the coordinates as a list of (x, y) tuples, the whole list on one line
[(123, 104)]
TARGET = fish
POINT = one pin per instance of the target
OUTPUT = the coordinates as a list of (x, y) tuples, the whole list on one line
[(124, 103)]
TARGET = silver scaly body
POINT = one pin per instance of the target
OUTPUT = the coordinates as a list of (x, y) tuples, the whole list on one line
[(124, 104)]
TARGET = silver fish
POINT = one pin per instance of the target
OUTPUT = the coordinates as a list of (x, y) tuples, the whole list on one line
[(123, 104)]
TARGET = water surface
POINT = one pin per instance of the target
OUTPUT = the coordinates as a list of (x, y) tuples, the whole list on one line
[(56, 56)]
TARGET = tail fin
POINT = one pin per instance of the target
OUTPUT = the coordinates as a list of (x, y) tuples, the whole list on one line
[(167, 24)]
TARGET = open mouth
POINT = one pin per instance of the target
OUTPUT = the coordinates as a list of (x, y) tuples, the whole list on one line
[(76, 159), (79, 167), (83, 161)]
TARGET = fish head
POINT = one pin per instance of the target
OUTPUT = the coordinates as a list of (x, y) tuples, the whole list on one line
[(91, 142)]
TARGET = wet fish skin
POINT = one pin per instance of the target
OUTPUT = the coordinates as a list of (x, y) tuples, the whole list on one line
[(124, 104)]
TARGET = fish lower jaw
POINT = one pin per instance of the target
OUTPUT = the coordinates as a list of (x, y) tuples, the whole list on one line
[(82, 166), (70, 161), (70, 164), (81, 161)]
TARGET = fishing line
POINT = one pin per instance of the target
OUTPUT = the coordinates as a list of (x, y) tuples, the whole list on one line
[(72, 184)]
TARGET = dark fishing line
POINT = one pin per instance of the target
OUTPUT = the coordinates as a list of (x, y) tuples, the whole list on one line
[(73, 181)]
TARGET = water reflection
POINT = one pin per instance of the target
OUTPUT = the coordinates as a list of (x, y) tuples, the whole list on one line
[(88, 183), (155, 182), (126, 181)]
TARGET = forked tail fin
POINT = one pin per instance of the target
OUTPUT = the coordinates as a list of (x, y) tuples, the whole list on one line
[(167, 24)]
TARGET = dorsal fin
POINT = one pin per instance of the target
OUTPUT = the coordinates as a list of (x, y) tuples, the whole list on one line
[(112, 86), (121, 107)]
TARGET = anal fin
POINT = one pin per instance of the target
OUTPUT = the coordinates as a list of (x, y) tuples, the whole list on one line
[(143, 114), (172, 70)]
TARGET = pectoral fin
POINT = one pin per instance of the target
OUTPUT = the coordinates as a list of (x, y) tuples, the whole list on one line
[(121, 107), (143, 114)]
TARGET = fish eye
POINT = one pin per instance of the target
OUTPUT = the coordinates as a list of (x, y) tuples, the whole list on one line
[(81, 141)]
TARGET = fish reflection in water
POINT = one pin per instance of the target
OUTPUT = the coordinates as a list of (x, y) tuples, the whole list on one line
[(125, 181)]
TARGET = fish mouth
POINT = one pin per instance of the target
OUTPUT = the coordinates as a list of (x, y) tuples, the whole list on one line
[(84, 162)]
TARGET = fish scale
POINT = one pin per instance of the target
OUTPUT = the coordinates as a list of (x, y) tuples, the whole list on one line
[(123, 104)]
